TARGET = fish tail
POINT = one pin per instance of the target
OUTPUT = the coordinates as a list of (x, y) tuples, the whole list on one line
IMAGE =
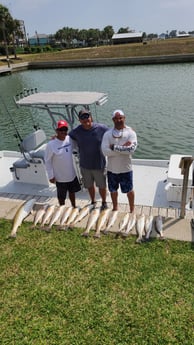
[(138, 240), (105, 231), (85, 234), (13, 235), (47, 229), (97, 235)]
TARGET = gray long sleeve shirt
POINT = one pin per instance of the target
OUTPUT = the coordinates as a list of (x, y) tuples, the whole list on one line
[(118, 155)]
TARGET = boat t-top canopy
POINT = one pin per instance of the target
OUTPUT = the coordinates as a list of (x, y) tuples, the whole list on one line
[(60, 103)]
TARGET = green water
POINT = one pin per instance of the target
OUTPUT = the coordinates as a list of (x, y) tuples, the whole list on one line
[(158, 101)]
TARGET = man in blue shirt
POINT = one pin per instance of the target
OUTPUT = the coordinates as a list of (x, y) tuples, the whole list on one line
[(88, 137)]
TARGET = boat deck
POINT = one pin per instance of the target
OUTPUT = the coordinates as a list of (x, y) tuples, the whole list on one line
[(150, 197), (149, 186)]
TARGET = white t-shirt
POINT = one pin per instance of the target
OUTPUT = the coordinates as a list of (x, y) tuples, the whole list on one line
[(59, 160), (119, 158)]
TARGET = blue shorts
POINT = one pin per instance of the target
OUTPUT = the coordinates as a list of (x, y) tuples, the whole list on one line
[(124, 180)]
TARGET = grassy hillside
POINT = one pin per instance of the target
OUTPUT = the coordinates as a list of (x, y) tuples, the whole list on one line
[(152, 48)]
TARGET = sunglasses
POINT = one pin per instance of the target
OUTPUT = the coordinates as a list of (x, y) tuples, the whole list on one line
[(84, 116), (62, 129)]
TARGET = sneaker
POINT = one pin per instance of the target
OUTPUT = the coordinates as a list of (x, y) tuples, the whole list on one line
[(104, 206), (93, 204)]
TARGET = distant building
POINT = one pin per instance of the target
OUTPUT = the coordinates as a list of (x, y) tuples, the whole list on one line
[(21, 38), (182, 35), (162, 36), (38, 40), (23, 30), (130, 37)]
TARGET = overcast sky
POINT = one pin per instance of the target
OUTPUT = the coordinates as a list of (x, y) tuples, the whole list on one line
[(150, 16)]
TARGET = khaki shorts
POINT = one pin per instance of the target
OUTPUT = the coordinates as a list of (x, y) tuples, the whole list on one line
[(91, 176)]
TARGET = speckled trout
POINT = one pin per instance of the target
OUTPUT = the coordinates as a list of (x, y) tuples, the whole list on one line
[(159, 226), (92, 219), (140, 223), (148, 226), (101, 222), (39, 214), (65, 216), (83, 213), (74, 213), (55, 216), (130, 225), (46, 217), (123, 224), (111, 221)]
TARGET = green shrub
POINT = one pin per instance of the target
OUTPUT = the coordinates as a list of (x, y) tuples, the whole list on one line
[(27, 50), (47, 48)]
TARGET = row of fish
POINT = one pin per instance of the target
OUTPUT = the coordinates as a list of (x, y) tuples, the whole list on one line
[(144, 226), (100, 221)]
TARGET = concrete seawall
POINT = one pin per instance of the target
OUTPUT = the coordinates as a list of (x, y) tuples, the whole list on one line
[(114, 61), (145, 60)]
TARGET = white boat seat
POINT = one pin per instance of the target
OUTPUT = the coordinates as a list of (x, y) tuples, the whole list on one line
[(21, 164), (24, 164), (40, 153), (32, 146)]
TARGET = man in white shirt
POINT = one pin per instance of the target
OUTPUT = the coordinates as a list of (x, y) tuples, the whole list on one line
[(59, 164), (118, 144)]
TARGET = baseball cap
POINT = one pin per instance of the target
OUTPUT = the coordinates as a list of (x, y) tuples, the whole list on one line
[(117, 112), (83, 112), (61, 124)]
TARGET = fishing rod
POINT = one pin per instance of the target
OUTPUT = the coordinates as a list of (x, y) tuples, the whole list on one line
[(25, 93), (17, 135)]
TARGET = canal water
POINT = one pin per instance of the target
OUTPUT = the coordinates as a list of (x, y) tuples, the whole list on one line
[(158, 101)]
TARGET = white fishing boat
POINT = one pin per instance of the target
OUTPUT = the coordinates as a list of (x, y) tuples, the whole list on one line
[(164, 184)]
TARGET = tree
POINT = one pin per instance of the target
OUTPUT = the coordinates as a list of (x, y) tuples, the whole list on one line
[(173, 33), (107, 32), (93, 37), (152, 36), (9, 29), (66, 35), (124, 30), (4, 20), (15, 31), (82, 35), (182, 33)]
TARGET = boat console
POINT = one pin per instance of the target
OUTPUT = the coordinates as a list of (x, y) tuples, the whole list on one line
[(175, 179)]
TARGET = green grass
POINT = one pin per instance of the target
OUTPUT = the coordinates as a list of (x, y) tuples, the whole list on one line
[(61, 288)]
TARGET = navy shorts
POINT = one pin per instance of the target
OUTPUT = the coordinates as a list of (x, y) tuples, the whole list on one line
[(64, 187), (124, 180)]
